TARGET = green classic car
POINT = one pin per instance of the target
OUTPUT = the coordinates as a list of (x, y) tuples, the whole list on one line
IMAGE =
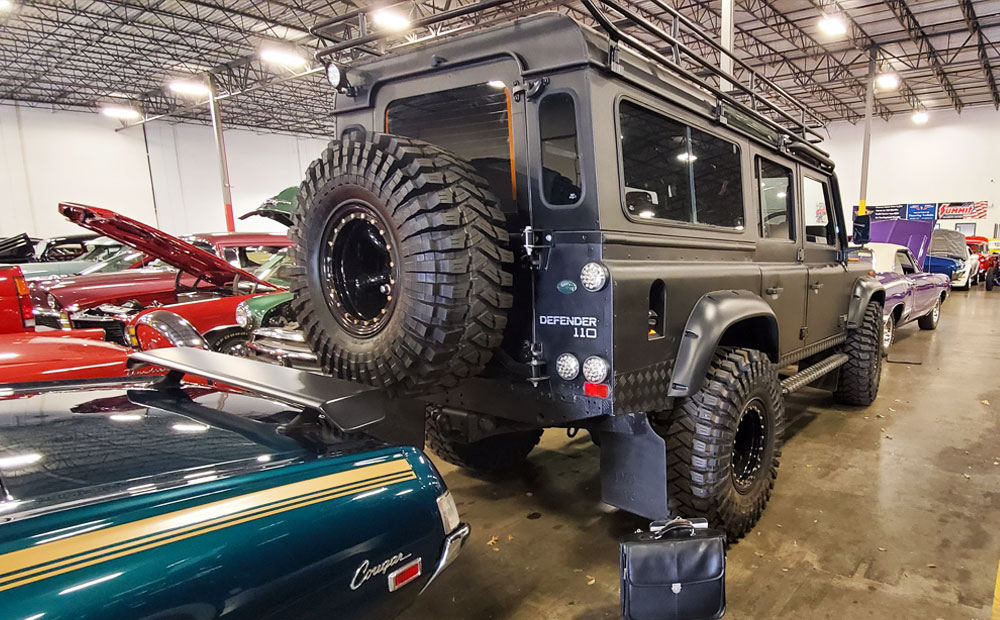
[(183, 499)]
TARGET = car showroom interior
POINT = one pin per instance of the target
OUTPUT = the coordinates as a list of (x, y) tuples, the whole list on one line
[(499, 309)]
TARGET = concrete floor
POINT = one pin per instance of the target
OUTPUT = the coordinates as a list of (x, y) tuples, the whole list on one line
[(887, 512)]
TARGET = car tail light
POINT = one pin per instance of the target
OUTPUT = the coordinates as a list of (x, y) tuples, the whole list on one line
[(24, 300), (404, 575), (599, 390)]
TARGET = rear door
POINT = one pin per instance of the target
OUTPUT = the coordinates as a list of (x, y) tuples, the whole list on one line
[(827, 300), (783, 275)]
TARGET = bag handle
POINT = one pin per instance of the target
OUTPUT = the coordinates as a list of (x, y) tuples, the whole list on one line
[(674, 525)]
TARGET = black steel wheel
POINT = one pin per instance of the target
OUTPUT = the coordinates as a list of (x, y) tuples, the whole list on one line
[(724, 443), (402, 273)]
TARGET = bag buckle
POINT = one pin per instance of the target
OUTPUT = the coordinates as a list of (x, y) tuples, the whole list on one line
[(675, 588)]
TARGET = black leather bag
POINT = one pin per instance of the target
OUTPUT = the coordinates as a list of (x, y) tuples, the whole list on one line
[(676, 571)]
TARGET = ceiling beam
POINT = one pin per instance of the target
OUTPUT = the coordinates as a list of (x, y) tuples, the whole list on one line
[(972, 21), (925, 50)]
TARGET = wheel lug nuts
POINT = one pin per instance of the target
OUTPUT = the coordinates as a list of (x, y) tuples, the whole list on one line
[(384, 289)]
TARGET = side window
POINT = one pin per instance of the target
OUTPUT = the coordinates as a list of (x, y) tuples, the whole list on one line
[(777, 205), (905, 263), (232, 256), (818, 212), (560, 158), (678, 173)]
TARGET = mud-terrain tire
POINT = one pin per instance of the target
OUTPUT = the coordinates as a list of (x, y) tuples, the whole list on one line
[(991, 275), (930, 320), (494, 454), (860, 376), (724, 442), (229, 342), (416, 294)]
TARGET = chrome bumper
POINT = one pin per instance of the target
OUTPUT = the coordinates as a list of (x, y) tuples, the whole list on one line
[(284, 347), (453, 544)]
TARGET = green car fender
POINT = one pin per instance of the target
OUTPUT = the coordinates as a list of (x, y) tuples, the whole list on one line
[(255, 312)]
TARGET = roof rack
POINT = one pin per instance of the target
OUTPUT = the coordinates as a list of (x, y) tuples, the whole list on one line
[(761, 99)]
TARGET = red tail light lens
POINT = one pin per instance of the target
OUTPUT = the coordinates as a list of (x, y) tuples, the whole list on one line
[(599, 390), (24, 301), (404, 575)]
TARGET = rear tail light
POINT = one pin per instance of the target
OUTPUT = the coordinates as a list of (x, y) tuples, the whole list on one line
[(404, 575), (24, 300)]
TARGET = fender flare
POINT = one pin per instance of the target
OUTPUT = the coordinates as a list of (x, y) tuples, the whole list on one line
[(709, 319), (865, 289)]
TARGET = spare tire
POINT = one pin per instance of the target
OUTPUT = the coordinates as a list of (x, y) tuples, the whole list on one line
[(402, 269)]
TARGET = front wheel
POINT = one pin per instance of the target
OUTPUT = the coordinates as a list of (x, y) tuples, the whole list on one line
[(723, 443), (231, 342), (930, 320), (860, 376), (888, 334)]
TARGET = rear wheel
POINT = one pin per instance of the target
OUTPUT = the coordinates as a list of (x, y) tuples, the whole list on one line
[(403, 272), (860, 376), (723, 443), (493, 454), (930, 320), (991, 277)]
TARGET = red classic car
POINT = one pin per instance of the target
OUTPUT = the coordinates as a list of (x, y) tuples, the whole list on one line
[(203, 267), (989, 264)]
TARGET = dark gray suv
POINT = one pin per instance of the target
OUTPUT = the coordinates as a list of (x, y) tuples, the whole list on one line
[(543, 225)]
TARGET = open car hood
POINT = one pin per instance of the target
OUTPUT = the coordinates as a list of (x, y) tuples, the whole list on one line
[(950, 243), (278, 208), (157, 244), (914, 234)]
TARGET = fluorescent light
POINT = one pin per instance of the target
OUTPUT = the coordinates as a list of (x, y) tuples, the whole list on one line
[(194, 89), (832, 25), (497, 84), (390, 20), (646, 214), (19, 460), (687, 157), (120, 113), (6, 5), (189, 428), (920, 117), (285, 58), (887, 81)]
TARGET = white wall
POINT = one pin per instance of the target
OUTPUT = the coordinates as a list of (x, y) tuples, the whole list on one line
[(47, 157), (51, 156), (951, 158), (185, 172)]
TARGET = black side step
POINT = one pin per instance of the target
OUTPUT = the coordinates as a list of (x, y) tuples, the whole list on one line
[(804, 377)]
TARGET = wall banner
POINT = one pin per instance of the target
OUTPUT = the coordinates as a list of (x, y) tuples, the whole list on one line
[(962, 210), (922, 211), (884, 212)]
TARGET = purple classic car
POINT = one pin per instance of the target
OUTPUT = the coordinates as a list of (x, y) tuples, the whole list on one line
[(910, 292)]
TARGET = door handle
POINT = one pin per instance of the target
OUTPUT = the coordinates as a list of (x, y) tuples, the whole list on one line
[(815, 286), (774, 290)]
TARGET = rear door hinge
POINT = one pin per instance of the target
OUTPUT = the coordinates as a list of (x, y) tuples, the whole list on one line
[(536, 242)]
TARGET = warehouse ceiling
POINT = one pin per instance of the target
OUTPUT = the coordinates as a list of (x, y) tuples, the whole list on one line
[(72, 54)]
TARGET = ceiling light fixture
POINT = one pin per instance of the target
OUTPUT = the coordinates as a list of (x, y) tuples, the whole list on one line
[(832, 25), (192, 89), (687, 157), (285, 58), (390, 20), (887, 81), (6, 5), (120, 113), (920, 117)]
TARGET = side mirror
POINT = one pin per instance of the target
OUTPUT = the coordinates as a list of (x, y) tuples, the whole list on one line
[(862, 229)]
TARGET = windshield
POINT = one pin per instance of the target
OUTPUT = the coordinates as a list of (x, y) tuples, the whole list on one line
[(124, 259), (276, 270), (100, 251)]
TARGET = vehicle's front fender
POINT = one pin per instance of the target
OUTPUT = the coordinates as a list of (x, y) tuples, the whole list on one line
[(708, 322), (865, 290)]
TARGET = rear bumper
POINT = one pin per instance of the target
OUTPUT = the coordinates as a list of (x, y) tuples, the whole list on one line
[(453, 544)]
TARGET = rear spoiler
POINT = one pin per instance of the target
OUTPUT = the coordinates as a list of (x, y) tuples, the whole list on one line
[(349, 406)]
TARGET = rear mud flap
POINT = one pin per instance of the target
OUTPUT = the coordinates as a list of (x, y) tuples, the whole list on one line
[(634, 466)]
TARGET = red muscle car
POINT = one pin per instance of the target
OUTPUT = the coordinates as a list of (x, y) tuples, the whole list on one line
[(203, 266), (989, 264)]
